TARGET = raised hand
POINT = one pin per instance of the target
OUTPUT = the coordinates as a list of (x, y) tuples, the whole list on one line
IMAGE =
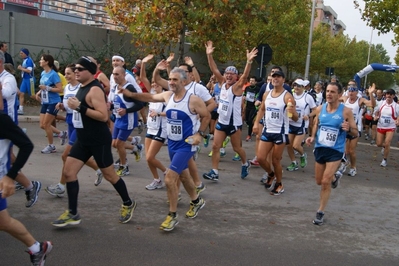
[(162, 65), (209, 47), (170, 58), (252, 54), (188, 61), (147, 58)]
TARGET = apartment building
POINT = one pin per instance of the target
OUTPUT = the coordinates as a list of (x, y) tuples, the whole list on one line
[(327, 16)]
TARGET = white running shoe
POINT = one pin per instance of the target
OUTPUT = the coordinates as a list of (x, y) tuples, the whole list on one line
[(352, 172), (49, 149), (155, 185), (383, 163), (55, 190)]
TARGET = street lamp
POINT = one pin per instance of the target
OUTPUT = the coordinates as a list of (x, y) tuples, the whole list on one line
[(310, 41)]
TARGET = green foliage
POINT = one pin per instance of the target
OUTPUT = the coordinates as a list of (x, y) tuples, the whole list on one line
[(382, 15)]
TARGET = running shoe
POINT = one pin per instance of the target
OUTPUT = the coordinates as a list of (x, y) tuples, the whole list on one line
[(169, 224), (178, 198), (319, 218), (304, 160), (139, 152), (155, 184), (292, 167), (140, 127), (211, 176), (127, 212), (136, 140), (20, 112), (343, 166), (123, 171), (67, 218), (49, 149), (117, 162), (206, 140), (197, 151), (245, 169), (211, 136), (366, 137), (194, 208), (384, 163), (226, 141), (248, 138), (33, 194), (39, 258), (277, 190), (236, 157), (55, 190), (254, 162), (222, 152), (352, 172), (200, 188), (99, 179), (270, 181), (18, 186), (63, 137), (210, 154), (372, 142), (335, 183)]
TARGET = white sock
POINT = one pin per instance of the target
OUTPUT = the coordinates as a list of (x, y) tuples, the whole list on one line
[(21, 108), (216, 171), (29, 187), (35, 248), (200, 185), (98, 171)]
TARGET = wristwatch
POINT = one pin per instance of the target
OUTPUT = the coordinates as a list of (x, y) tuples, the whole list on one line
[(202, 133), (77, 109)]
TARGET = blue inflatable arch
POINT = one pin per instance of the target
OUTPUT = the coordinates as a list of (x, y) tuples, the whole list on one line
[(370, 68)]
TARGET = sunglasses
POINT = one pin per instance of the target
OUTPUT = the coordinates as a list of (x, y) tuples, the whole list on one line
[(297, 85), (80, 69), (353, 89)]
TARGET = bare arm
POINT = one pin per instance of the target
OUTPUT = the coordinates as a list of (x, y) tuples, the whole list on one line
[(237, 87), (148, 97), (105, 81), (190, 62), (211, 62), (349, 125), (162, 65), (143, 74)]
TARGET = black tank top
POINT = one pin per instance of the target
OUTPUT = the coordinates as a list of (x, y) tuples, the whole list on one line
[(94, 132)]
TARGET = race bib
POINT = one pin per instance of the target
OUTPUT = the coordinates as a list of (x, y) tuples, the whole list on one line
[(273, 114), (44, 96), (77, 119), (250, 97), (175, 130), (223, 107), (117, 105), (328, 136), (385, 121)]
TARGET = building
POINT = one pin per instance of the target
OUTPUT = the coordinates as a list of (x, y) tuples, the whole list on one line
[(326, 15), (87, 12)]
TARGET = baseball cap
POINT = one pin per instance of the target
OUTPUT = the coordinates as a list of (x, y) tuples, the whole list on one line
[(278, 73)]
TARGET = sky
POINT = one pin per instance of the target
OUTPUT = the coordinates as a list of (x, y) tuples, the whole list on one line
[(355, 26)]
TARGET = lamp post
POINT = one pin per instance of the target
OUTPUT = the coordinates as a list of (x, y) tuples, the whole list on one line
[(310, 41), (368, 57)]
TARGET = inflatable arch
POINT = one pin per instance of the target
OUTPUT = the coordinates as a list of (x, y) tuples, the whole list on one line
[(370, 68)]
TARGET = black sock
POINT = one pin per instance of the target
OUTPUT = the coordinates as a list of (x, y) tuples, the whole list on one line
[(173, 214), (271, 174), (120, 187), (73, 191), (196, 200)]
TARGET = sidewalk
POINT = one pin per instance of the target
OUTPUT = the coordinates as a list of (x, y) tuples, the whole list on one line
[(31, 114)]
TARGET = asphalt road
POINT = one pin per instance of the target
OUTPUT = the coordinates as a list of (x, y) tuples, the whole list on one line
[(241, 224)]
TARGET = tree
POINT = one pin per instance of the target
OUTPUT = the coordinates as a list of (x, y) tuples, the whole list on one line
[(233, 26), (382, 15)]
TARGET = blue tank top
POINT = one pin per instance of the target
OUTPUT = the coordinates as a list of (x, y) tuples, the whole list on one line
[(329, 133)]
